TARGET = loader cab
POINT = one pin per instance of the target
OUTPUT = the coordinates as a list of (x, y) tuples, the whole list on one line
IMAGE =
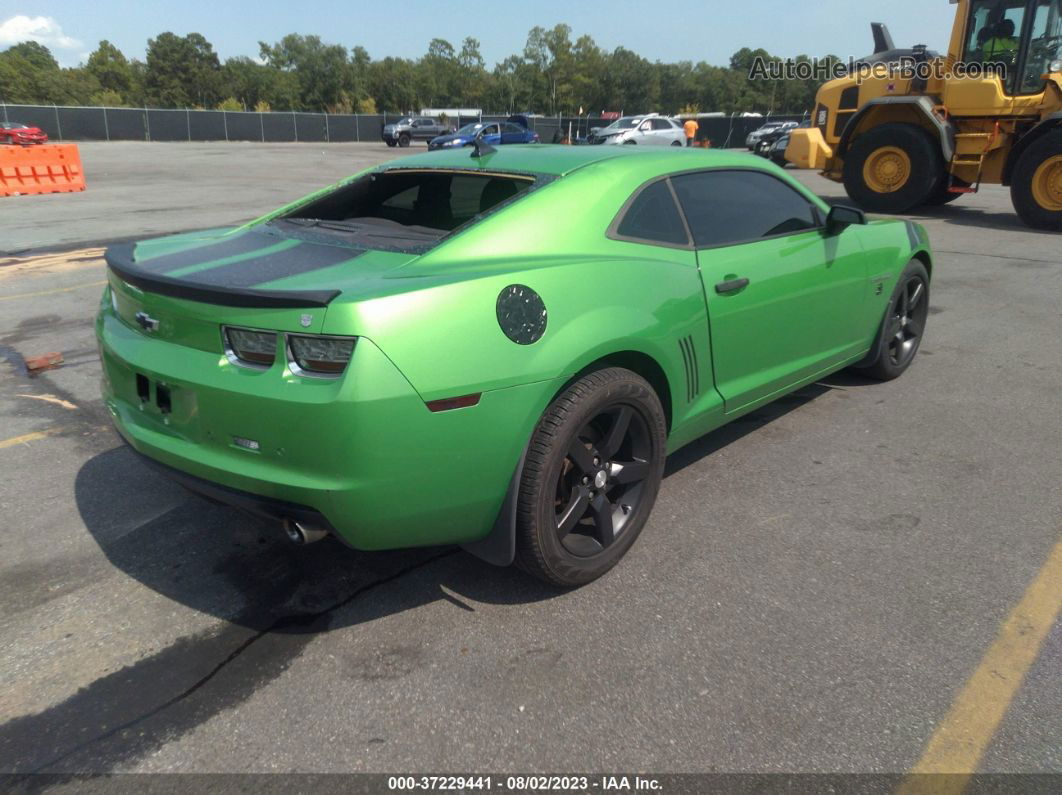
[(1024, 36)]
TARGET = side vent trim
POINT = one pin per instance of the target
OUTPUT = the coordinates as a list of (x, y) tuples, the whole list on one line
[(693, 376)]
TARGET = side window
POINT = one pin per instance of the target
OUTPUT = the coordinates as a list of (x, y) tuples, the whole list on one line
[(661, 124), (653, 216), (993, 31), (725, 207), (1045, 45)]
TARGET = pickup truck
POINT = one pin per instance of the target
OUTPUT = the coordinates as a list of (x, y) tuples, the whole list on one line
[(413, 128)]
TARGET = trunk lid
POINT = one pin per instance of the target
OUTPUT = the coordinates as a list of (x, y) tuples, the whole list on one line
[(182, 289)]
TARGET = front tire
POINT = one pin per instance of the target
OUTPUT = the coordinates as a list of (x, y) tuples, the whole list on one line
[(591, 476), (1036, 185), (403, 141), (901, 331), (893, 168), (391, 144)]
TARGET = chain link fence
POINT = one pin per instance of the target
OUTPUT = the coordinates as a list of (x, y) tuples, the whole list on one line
[(64, 123)]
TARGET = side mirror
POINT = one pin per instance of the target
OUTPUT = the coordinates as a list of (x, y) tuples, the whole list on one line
[(841, 217)]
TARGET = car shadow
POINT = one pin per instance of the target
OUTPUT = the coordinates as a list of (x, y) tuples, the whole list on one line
[(959, 215), (749, 423), (956, 214), (272, 601), (220, 561)]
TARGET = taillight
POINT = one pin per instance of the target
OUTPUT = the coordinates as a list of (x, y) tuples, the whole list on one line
[(250, 348), (325, 356)]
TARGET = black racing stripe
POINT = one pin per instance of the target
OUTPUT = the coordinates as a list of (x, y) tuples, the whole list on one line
[(233, 247), (303, 258), (120, 260), (912, 235)]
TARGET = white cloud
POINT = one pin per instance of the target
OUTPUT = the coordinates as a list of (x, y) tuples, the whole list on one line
[(43, 30)]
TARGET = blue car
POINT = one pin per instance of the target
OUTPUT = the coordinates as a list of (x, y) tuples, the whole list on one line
[(515, 130)]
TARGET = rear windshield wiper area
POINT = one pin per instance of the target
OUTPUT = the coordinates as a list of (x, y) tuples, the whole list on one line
[(369, 232), (406, 209)]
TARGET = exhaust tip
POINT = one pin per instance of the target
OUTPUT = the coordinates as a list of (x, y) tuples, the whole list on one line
[(301, 535)]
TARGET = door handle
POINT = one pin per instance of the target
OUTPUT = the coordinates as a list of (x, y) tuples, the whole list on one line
[(731, 286)]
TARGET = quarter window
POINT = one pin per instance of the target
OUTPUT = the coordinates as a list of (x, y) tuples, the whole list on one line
[(726, 207), (653, 216)]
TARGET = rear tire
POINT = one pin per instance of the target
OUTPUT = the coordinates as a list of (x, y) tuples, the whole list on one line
[(900, 334), (1036, 185), (676, 143), (590, 478), (893, 168)]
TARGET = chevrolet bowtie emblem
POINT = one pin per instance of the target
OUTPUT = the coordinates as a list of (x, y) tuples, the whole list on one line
[(146, 321)]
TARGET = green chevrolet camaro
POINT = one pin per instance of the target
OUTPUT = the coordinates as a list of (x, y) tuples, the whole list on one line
[(498, 348)]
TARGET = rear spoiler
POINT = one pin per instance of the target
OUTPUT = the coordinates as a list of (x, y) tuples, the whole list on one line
[(122, 262)]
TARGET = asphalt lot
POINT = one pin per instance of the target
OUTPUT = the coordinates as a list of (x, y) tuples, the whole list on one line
[(817, 584)]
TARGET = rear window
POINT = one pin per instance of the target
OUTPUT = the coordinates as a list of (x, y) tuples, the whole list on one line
[(405, 208)]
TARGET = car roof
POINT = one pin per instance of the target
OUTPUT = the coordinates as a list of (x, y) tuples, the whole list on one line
[(559, 159)]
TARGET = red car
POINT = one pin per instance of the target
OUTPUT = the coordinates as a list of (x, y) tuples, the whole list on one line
[(15, 133)]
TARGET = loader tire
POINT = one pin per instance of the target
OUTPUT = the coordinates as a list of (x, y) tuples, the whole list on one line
[(893, 168), (1036, 186)]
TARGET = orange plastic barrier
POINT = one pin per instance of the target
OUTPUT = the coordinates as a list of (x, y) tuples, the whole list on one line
[(44, 168)]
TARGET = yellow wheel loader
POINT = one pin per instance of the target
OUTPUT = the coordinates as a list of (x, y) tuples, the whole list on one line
[(906, 128)]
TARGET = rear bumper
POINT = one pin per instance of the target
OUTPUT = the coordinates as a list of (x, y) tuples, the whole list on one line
[(256, 504), (362, 453)]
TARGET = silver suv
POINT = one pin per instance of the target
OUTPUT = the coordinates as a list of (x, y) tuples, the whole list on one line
[(649, 130), (413, 128)]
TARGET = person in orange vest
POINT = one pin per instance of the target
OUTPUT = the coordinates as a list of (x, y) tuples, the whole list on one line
[(690, 126)]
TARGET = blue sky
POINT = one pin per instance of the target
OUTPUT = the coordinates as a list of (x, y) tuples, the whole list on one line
[(667, 31)]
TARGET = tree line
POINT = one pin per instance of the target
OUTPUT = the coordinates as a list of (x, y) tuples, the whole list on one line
[(553, 75)]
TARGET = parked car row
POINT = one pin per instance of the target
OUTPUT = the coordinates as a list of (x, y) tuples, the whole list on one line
[(772, 127), (14, 132), (438, 135), (650, 129), (773, 143)]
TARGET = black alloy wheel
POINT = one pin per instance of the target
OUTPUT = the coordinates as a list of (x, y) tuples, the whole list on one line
[(903, 327), (601, 480), (903, 332), (590, 478)]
